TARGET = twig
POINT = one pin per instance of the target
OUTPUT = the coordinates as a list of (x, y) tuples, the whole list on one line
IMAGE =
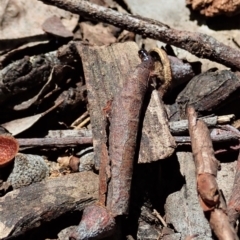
[(53, 142), (155, 212), (199, 44), (83, 123), (80, 119), (205, 161), (181, 127)]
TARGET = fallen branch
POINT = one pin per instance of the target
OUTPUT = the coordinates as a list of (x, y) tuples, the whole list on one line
[(78, 137), (205, 161), (44, 201), (210, 196), (199, 44)]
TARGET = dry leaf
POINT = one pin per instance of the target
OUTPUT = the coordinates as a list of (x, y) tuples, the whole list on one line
[(19, 125)]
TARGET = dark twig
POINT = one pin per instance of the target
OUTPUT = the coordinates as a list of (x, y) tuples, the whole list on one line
[(199, 44)]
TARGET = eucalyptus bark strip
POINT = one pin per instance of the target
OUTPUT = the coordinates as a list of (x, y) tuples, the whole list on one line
[(205, 161), (124, 122), (199, 44)]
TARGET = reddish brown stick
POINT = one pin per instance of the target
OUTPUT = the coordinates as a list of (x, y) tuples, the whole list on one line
[(199, 44), (206, 169), (54, 142), (205, 161), (124, 122)]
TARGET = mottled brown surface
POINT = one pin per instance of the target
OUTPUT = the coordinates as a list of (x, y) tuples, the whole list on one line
[(208, 91), (124, 126), (213, 8), (105, 70), (205, 161)]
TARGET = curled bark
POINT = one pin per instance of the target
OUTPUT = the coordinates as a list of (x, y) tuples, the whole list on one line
[(124, 122)]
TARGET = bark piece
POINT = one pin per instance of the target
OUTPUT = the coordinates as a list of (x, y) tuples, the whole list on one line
[(213, 8), (97, 34), (208, 91), (234, 202), (199, 44), (219, 222), (182, 208), (152, 146), (105, 70), (25, 72), (126, 109), (54, 26), (30, 206), (205, 161), (96, 223)]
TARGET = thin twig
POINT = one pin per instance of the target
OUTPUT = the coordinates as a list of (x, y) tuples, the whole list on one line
[(53, 142), (199, 44), (155, 212)]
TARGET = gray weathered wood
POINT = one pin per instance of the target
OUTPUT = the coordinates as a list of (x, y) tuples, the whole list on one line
[(29, 207)]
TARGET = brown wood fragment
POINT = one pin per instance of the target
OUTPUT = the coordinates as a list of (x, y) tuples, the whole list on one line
[(205, 161), (54, 26), (106, 69), (152, 146), (124, 123), (208, 92), (210, 196), (44, 201), (215, 7), (219, 223), (89, 228)]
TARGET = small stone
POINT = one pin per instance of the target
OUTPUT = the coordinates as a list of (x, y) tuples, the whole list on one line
[(27, 169)]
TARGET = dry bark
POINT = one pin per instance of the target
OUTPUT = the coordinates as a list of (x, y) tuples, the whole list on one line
[(213, 8), (219, 222), (210, 196), (29, 207), (205, 161), (126, 109), (208, 92), (106, 69), (234, 202), (198, 44)]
